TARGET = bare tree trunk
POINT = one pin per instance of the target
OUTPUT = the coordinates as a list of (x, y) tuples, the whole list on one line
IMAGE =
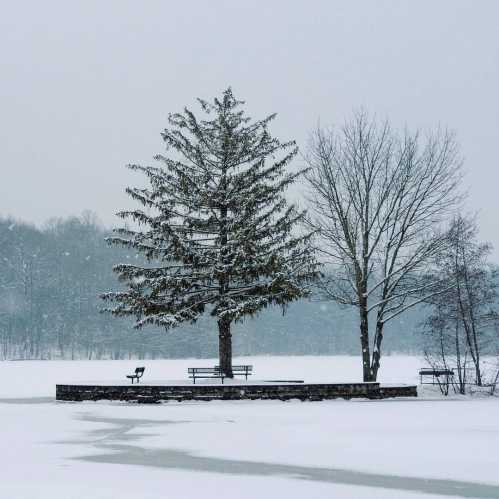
[(474, 335), (376, 360), (225, 347), (460, 371), (472, 345), (364, 344), (494, 383), (444, 387), (478, 371)]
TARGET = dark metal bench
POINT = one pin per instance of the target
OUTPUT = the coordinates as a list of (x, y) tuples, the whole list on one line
[(435, 374), (204, 372), (139, 372)]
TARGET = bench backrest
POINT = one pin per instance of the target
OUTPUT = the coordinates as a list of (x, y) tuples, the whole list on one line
[(238, 368), (436, 372), (217, 370), (139, 370), (202, 370)]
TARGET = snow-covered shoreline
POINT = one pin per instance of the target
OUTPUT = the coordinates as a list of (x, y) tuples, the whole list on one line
[(180, 450)]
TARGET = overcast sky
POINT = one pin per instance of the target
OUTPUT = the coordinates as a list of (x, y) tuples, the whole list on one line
[(86, 86)]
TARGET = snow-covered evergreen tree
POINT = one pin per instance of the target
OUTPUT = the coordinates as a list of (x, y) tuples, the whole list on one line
[(216, 228)]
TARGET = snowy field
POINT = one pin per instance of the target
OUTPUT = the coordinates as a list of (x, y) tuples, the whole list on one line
[(399, 448)]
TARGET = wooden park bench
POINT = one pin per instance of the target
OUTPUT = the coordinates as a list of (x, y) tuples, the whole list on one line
[(215, 372), (139, 372), (435, 374), (204, 372)]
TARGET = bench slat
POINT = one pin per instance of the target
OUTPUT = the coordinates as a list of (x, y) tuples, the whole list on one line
[(239, 369)]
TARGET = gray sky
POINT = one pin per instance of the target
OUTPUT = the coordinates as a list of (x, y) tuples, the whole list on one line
[(86, 86)]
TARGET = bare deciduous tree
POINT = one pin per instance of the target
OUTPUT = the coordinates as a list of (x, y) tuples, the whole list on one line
[(377, 200), (467, 307), (444, 346)]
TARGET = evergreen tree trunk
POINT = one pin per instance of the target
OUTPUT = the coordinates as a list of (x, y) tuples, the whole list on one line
[(225, 347), (224, 336)]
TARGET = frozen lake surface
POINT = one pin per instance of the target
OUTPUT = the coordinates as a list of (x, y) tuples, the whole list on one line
[(400, 448)]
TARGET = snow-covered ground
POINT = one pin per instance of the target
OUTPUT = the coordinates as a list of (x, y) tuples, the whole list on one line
[(399, 448)]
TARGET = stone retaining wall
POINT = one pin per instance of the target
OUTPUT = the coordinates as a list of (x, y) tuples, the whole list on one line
[(150, 394)]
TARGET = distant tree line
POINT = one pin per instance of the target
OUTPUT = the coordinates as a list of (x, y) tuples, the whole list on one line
[(49, 283)]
